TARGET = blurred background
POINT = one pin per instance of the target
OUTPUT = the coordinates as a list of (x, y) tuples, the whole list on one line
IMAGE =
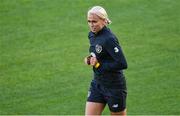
[(43, 44)]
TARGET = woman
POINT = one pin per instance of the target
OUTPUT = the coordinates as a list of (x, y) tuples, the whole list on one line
[(106, 57)]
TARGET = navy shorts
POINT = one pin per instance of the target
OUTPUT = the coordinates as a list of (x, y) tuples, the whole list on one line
[(115, 98)]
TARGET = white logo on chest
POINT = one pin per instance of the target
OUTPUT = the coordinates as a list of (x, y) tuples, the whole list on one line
[(116, 49), (98, 48)]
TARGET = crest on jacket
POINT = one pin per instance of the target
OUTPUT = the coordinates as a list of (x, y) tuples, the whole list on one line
[(98, 48)]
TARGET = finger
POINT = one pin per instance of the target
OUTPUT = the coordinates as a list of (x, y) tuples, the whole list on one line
[(85, 60)]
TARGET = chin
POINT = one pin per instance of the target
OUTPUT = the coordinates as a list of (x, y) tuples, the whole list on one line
[(93, 31)]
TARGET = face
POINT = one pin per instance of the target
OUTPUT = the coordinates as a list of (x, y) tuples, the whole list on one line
[(95, 23)]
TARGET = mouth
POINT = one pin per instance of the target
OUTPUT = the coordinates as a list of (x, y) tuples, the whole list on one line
[(92, 28)]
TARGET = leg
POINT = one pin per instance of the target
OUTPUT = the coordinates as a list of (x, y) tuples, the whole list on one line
[(117, 102), (93, 108), (122, 113)]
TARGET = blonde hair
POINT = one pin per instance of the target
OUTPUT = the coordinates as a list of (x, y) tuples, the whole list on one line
[(100, 12)]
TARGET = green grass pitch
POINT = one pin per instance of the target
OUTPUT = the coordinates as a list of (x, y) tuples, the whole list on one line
[(43, 44)]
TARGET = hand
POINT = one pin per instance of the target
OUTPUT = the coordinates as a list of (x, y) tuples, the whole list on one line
[(93, 61)]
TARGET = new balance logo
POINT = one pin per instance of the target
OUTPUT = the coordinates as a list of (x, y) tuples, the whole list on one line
[(115, 106)]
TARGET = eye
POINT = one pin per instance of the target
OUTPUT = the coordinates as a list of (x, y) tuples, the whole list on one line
[(94, 21)]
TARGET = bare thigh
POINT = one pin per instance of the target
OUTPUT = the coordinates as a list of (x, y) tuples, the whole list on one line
[(93, 108)]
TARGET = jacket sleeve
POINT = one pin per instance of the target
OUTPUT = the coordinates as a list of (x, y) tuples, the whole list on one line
[(114, 50)]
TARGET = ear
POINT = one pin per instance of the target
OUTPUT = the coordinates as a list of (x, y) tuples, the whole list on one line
[(104, 22)]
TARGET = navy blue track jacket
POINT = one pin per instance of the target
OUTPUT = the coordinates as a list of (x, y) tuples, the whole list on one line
[(109, 54)]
